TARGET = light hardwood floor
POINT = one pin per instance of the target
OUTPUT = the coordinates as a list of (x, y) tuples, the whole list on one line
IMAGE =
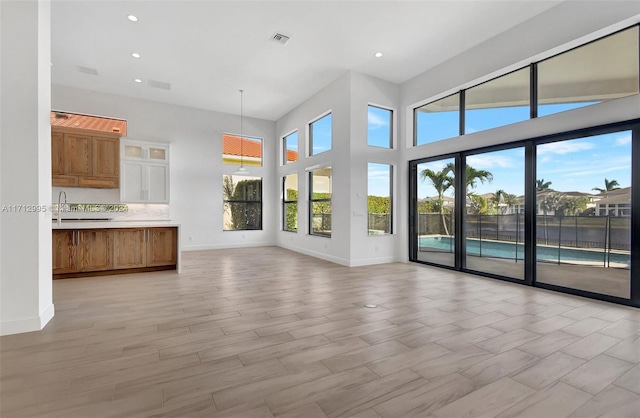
[(264, 332)]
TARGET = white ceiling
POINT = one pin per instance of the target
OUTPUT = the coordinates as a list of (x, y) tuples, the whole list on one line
[(207, 50)]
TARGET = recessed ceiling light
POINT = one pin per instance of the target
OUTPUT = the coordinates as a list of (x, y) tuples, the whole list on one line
[(132, 18), (135, 55), (137, 80), (378, 54)]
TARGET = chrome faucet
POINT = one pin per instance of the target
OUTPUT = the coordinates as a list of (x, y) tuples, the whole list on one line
[(65, 204)]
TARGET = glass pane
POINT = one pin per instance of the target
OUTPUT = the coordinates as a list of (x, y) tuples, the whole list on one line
[(602, 70), (379, 199), (583, 213), (436, 208), (495, 213), (379, 127), (320, 135), (498, 102), (157, 153), (290, 148), (242, 202), (320, 207), (133, 151), (290, 198), (321, 218), (438, 120), (246, 152)]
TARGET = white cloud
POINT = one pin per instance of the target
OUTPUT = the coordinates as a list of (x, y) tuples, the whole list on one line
[(598, 171), (490, 161), (623, 140), (376, 121), (564, 147)]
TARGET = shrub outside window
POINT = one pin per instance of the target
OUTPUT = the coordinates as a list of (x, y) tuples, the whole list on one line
[(242, 196), (290, 203)]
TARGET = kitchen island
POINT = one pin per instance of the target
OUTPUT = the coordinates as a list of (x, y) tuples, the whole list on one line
[(98, 248)]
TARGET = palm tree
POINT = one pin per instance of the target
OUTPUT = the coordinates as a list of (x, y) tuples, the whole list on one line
[(608, 187), (497, 199), (441, 181), (542, 185), (474, 175)]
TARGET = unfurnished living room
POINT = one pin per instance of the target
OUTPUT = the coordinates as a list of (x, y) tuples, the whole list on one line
[(319, 208)]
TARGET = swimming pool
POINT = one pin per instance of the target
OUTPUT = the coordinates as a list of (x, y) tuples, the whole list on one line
[(509, 250)]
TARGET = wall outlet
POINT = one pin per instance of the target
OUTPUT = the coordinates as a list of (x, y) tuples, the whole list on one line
[(190, 238)]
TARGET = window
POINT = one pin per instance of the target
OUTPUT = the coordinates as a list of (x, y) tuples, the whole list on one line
[(379, 201), (379, 127), (437, 120), (242, 197), (290, 203), (320, 135), (601, 70), (91, 123), (320, 202), (501, 101), (290, 148), (246, 151)]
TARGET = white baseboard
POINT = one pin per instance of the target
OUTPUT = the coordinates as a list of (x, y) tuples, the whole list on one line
[(27, 325), (372, 261)]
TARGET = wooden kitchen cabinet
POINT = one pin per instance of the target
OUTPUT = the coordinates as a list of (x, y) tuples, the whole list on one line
[(95, 249), (90, 252), (84, 160), (130, 248), (162, 246), (64, 251)]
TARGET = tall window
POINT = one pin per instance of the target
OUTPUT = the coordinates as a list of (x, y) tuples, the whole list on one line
[(379, 127), (290, 203), (601, 70), (437, 120), (290, 148), (320, 135), (320, 202), (242, 197), (247, 150), (498, 102), (379, 199)]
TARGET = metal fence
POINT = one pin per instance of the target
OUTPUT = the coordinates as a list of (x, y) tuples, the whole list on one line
[(379, 223), (321, 224)]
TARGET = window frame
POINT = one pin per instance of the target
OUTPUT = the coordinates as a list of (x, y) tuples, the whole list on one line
[(312, 200), (243, 159), (391, 199), (286, 202), (284, 143), (245, 202), (392, 124)]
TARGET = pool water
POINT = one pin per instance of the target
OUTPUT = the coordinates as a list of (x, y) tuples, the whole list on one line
[(511, 250)]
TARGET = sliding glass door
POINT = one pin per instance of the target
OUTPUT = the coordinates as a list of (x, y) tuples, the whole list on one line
[(435, 211), (583, 213), (494, 215)]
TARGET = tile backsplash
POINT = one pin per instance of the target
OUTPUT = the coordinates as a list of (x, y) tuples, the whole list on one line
[(135, 211)]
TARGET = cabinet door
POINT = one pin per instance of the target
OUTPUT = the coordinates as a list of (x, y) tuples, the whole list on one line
[(158, 183), (64, 251), (162, 246), (132, 182), (106, 157), (57, 152), (78, 155), (130, 248), (95, 250)]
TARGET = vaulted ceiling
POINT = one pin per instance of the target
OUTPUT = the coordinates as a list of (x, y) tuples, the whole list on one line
[(204, 51)]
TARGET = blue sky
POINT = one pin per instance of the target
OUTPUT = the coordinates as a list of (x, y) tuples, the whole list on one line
[(576, 165), (321, 133)]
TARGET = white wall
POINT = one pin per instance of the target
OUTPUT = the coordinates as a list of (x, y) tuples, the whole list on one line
[(25, 167), (196, 166), (573, 23), (334, 98)]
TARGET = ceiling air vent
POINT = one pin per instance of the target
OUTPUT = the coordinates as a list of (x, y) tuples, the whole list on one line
[(87, 70), (280, 38), (159, 85)]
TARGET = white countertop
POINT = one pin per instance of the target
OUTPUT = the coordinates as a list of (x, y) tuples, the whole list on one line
[(112, 224)]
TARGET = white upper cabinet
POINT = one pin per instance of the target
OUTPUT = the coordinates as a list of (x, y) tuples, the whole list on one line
[(144, 172)]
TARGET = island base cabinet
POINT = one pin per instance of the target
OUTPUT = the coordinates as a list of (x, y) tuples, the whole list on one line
[(130, 248), (64, 251), (95, 250), (162, 246), (91, 252)]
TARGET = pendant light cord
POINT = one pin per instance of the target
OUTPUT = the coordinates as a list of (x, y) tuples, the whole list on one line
[(241, 128)]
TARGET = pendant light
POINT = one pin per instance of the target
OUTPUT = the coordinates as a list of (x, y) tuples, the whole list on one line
[(241, 169)]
